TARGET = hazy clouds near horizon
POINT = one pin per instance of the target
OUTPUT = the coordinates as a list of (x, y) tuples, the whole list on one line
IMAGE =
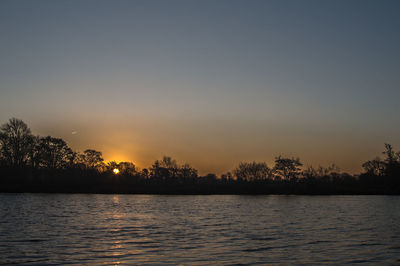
[(210, 83)]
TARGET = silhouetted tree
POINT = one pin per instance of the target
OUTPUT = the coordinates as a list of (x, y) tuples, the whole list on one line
[(311, 172), (252, 172), (112, 165), (227, 177), (375, 167), (54, 153), (164, 169), (391, 156), (392, 162), (187, 172), (15, 142), (91, 159), (287, 168), (34, 151), (390, 166), (125, 168), (145, 173)]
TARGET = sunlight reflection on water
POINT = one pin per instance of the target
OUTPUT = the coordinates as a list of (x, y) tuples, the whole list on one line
[(144, 229)]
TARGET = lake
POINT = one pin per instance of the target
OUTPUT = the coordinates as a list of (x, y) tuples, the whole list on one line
[(198, 230)]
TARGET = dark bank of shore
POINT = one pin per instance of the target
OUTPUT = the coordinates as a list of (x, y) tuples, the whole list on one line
[(107, 183)]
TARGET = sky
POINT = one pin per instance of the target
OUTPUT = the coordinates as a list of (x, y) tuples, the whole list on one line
[(209, 83)]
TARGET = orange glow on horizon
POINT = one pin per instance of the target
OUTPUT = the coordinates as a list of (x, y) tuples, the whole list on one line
[(116, 171), (116, 157)]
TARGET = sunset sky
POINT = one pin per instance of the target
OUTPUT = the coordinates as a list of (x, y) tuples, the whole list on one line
[(210, 83)]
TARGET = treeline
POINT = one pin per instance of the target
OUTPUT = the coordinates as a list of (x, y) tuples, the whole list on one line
[(30, 163)]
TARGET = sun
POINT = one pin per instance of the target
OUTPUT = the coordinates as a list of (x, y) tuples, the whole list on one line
[(116, 171)]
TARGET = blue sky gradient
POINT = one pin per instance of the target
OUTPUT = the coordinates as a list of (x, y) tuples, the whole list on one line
[(211, 83)]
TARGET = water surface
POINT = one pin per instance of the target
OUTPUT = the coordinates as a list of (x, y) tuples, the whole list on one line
[(200, 230)]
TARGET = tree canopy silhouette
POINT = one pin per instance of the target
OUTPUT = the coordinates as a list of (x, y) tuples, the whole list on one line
[(16, 142), (287, 168), (253, 171), (31, 163)]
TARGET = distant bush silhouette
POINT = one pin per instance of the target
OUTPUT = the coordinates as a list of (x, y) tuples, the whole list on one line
[(31, 163)]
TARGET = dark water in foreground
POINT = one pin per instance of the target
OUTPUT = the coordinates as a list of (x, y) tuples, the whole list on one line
[(200, 230)]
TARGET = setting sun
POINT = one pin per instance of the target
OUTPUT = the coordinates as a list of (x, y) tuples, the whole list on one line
[(116, 171)]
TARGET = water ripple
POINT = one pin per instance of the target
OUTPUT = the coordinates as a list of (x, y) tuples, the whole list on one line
[(199, 230)]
